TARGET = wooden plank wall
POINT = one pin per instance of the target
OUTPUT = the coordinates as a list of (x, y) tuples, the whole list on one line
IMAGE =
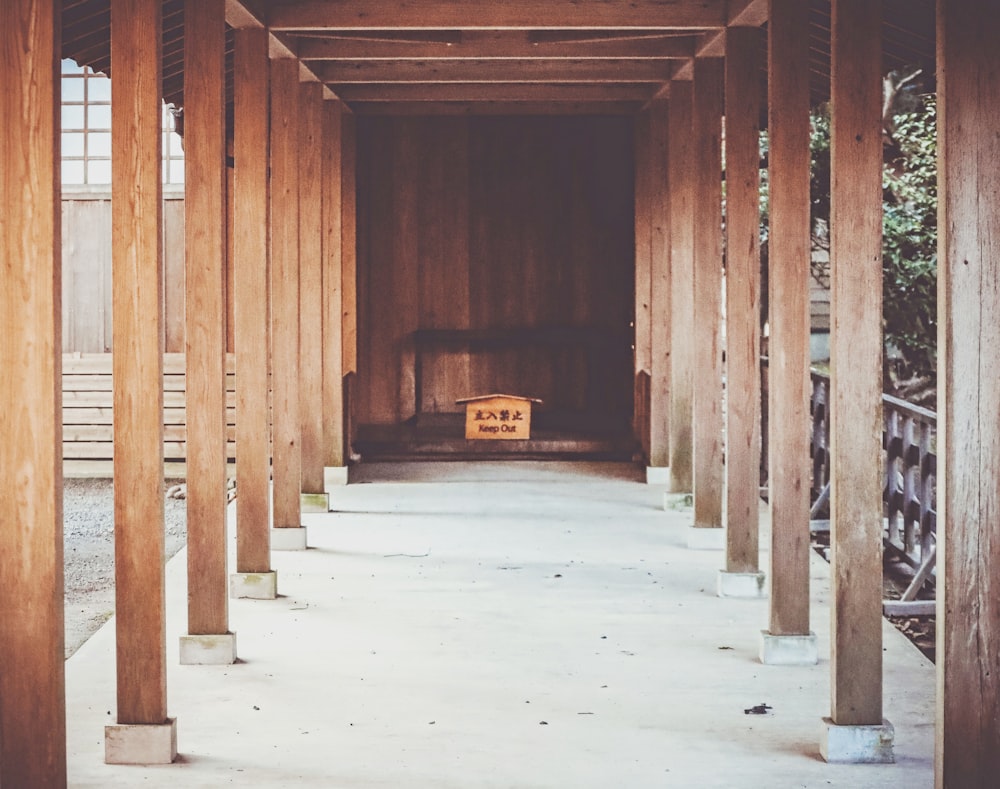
[(492, 223), (86, 260)]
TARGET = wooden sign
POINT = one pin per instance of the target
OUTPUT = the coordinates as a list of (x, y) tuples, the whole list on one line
[(498, 416)]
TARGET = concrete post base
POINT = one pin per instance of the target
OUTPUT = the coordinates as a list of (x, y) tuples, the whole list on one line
[(208, 650), (701, 538), (141, 743), (657, 475), (334, 477), (749, 586), (314, 502), (788, 650), (857, 744), (288, 538), (253, 586), (678, 501)]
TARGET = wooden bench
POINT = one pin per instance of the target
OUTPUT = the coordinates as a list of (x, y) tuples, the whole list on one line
[(88, 407)]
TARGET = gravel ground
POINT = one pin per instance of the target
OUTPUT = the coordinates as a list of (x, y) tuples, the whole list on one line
[(88, 539)]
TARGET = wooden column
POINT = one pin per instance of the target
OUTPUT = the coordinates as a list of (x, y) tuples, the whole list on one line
[(287, 426), (856, 465), (32, 677), (968, 656), (643, 261), (333, 288), (137, 273), (252, 335), (788, 305), (708, 422), (311, 285), (660, 283), (742, 298), (349, 250), (205, 313), (680, 164)]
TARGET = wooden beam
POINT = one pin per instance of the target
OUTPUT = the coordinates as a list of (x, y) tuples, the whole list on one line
[(743, 103), (32, 681), (463, 92), (708, 421), (748, 13), (205, 314), (660, 301), (136, 207), (311, 285), (641, 342), (242, 14), (493, 71), (287, 425), (349, 247), (333, 287), (505, 45), (968, 738), (511, 14), (497, 108), (788, 344), (251, 69), (680, 166)]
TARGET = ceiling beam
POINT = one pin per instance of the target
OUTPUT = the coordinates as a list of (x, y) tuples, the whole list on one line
[(437, 92), (748, 13), (490, 14), (497, 108), (242, 14), (494, 71), (496, 45)]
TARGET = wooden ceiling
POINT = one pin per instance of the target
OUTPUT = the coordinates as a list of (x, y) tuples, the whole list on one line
[(497, 56)]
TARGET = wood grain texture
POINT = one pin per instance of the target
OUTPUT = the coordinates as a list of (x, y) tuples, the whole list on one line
[(743, 105), (138, 362), (788, 300), (205, 276), (287, 426), (660, 294), (32, 681), (349, 247), (251, 297), (856, 363), (709, 474), (680, 165), (968, 655), (311, 284), (333, 286)]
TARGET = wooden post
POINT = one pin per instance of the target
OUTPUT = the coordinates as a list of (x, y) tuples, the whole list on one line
[(856, 363), (311, 292), (333, 292), (643, 260), (968, 738), (659, 296), (742, 299), (253, 420), (681, 178), (137, 273), (349, 251), (788, 344), (708, 422), (287, 427), (205, 325), (32, 680)]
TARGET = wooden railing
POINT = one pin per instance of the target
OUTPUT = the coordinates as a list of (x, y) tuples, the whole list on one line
[(909, 442)]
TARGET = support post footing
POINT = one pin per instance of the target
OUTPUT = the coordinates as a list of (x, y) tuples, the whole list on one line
[(678, 501), (208, 649), (314, 502), (657, 475), (288, 538), (748, 586), (857, 744), (788, 650), (254, 586), (334, 477), (141, 743), (705, 538)]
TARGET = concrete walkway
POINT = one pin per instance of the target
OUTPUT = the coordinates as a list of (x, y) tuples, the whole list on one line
[(498, 625)]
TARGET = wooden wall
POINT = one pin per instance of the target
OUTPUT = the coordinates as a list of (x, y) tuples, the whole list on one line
[(493, 223), (86, 291)]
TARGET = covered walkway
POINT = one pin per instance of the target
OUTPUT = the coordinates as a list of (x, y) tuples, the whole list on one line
[(508, 625)]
